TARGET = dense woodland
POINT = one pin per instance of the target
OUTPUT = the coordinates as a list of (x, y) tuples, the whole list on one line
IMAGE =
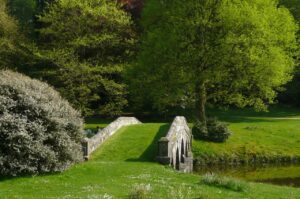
[(108, 57)]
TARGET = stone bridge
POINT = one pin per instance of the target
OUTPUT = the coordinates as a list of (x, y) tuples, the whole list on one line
[(176, 147), (91, 144)]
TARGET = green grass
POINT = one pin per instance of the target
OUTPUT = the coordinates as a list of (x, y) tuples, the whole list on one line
[(124, 162), (224, 182), (137, 143), (254, 173), (267, 139), (273, 112), (94, 122)]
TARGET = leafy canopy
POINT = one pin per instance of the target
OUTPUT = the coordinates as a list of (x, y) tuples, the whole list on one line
[(8, 35), (87, 44), (24, 11), (293, 6), (15, 49), (228, 51)]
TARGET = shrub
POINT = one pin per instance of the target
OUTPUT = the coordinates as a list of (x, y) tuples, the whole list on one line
[(200, 131), (214, 131), (140, 191), (180, 192), (224, 182), (39, 131), (217, 131)]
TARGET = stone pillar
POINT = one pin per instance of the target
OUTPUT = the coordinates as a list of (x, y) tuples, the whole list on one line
[(85, 148), (189, 162), (163, 151), (187, 165)]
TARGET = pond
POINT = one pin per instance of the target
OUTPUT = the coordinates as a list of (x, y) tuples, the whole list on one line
[(278, 175)]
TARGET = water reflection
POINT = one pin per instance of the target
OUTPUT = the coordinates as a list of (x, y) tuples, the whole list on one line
[(293, 182), (287, 175)]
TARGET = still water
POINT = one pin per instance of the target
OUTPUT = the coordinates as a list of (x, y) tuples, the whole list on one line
[(279, 175)]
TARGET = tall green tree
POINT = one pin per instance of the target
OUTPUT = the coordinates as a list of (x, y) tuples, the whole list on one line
[(86, 44), (24, 11), (13, 44), (293, 6), (236, 52), (8, 33), (291, 94)]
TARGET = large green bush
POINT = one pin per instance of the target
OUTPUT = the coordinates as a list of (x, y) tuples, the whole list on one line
[(39, 131)]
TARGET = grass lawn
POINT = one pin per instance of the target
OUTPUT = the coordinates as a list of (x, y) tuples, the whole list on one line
[(126, 160), (268, 138), (94, 122)]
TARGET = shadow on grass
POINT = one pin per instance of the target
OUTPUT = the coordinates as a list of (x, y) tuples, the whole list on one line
[(237, 119), (150, 153), (273, 112), (28, 176)]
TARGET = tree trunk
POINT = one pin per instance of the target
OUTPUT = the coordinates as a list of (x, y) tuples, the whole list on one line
[(200, 102)]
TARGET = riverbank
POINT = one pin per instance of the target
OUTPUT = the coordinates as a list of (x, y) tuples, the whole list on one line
[(256, 140)]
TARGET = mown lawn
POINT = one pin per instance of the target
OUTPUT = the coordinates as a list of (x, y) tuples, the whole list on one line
[(269, 138), (94, 122), (122, 162)]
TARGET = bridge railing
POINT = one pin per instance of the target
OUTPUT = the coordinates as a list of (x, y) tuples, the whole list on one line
[(176, 147), (89, 145)]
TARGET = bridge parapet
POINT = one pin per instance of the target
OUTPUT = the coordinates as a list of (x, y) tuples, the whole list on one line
[(176, 147), (91, 144)]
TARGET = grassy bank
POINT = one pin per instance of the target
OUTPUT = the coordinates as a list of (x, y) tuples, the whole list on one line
[(124, 165), (273, 138), (253, 173)]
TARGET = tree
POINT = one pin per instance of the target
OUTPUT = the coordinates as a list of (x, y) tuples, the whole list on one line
[(236, 52), (24, 12), (15, 50), (291, 94), (293, 6), (86, 45), (8, 35), (134, 7)]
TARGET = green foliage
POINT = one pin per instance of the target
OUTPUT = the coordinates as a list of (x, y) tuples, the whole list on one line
[(39, 131), (24, 11), (291, 94), (140, 191), (8, 36), (217, 131), (183, 192), (224, 182), (214, 130), (15, 49), (87, 53), (8, 26), (237, 52), (293, 6), (200, 131)]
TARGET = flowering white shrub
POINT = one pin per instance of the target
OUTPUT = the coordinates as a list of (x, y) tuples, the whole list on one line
[(39, 131)]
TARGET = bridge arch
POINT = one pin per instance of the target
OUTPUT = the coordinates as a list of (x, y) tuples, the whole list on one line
[(175, 148)]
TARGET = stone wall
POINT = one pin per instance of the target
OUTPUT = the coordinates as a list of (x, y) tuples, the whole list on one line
[(91, 144), (176, 147)]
